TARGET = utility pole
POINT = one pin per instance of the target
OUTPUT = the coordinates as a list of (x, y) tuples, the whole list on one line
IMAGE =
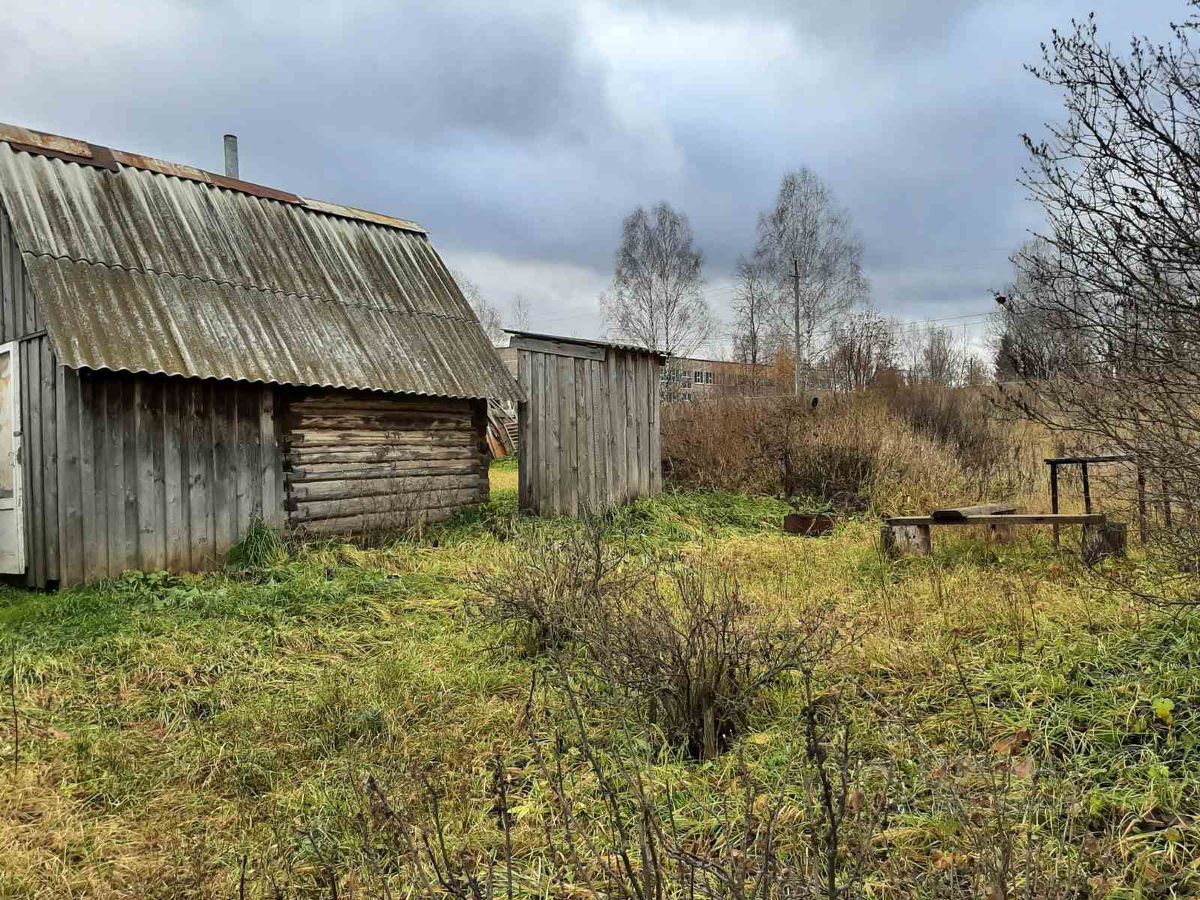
[(796, 299)]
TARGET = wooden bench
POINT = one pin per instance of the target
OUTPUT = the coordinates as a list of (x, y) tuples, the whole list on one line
[(913, 535)]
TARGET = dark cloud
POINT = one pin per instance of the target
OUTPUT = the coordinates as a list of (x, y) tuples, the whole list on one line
[(521, 134)]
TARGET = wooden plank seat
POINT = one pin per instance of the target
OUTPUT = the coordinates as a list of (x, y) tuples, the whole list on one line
[(913, 535)]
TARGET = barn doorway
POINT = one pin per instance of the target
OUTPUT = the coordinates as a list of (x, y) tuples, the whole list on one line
[(12, 512)]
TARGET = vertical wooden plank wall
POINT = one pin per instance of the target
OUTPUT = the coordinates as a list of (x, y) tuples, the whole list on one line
[(589, 432), (157, 472)]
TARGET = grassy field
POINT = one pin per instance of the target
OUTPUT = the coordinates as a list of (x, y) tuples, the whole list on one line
[(177, 732)]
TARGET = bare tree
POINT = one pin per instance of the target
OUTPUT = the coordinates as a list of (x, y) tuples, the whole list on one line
[(755, 335), (862, 346), (976, 371), (488, 315), (814, 257), (1035, 340), (655, 298), (519, 316), (937, 357), (1119, 181)]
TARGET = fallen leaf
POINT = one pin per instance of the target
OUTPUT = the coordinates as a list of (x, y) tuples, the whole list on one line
[(1014, 743)]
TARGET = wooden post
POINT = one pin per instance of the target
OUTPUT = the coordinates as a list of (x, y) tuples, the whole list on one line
[(1110, 539), (1087, 489), (1054, 497), (1143, 524), (906, 540)]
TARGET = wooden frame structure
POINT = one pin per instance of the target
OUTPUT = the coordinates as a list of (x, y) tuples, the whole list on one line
[(589, 428)]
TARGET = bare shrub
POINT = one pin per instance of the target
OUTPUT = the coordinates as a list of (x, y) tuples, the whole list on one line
[(546, 583), (696, 652)]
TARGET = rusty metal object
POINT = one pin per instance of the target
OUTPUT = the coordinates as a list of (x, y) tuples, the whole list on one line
[(808, 524)]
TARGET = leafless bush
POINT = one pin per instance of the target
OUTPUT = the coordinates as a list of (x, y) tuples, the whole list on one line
[(546, 583), (696, 652)]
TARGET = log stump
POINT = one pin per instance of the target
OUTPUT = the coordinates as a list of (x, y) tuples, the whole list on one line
[(906, 540), (1104, 541)]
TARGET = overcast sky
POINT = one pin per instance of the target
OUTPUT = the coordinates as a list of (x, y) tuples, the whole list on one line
[(521, 134)]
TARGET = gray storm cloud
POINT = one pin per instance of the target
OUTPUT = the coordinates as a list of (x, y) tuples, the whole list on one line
[(521, 134)]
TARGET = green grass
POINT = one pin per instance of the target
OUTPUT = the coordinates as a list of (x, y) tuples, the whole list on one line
[(172, 725)]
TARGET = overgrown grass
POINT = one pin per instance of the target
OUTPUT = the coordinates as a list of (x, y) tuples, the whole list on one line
[(172, 727)]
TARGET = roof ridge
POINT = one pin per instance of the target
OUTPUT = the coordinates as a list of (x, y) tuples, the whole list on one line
[(81, 152), (140, 270)]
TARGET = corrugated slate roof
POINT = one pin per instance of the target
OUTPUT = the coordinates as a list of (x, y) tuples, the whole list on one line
[(148, 272)]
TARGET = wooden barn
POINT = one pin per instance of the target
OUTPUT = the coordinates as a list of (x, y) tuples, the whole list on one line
[(184, 352)]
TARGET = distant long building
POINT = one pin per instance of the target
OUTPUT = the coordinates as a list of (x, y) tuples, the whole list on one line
[(688, 378)]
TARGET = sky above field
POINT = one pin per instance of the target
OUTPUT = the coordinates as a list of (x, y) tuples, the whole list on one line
[(521, 134)]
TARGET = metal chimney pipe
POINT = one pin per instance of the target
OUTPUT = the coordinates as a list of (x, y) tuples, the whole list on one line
[(231, 155)]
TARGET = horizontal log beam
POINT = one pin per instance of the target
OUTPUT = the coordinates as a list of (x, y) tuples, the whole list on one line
[(367, 470), (381, 487), (387, 438), (395, 506), (301, 456)]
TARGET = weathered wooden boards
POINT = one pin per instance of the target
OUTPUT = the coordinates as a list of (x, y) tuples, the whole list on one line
[(1104, 540), (912, 535), (906, 540), (159, 473), (589, 432), (358, 461)]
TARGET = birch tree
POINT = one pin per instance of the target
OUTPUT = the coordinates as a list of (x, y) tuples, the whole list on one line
[(655, 300), (814, 257)]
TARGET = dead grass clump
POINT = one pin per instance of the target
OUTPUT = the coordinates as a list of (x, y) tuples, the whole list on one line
[(852, 451)]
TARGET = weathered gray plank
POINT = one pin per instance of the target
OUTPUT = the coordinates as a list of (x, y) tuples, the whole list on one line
[(200, 463), (552, 459), (654, 401), (249, 473), (224, 482), (269, 468), (94, 537), (70, 513), (566, 429), (175, 478), (550, 347), (152, 544), (114, 455), (31, 387), (581, 424), (49, 370), (526, 446)]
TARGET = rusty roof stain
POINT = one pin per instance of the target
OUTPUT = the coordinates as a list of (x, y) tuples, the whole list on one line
[(153, 268)]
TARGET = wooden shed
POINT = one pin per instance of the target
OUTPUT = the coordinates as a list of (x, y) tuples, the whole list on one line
[(589, 430), (184, 352)]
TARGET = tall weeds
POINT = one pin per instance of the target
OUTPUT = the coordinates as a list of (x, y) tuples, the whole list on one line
[(900, 449)]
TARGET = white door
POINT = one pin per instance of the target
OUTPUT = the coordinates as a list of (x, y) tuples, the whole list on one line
[(12, 501)]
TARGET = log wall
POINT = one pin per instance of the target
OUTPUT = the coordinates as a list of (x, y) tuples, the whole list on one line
[(358, 461)]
